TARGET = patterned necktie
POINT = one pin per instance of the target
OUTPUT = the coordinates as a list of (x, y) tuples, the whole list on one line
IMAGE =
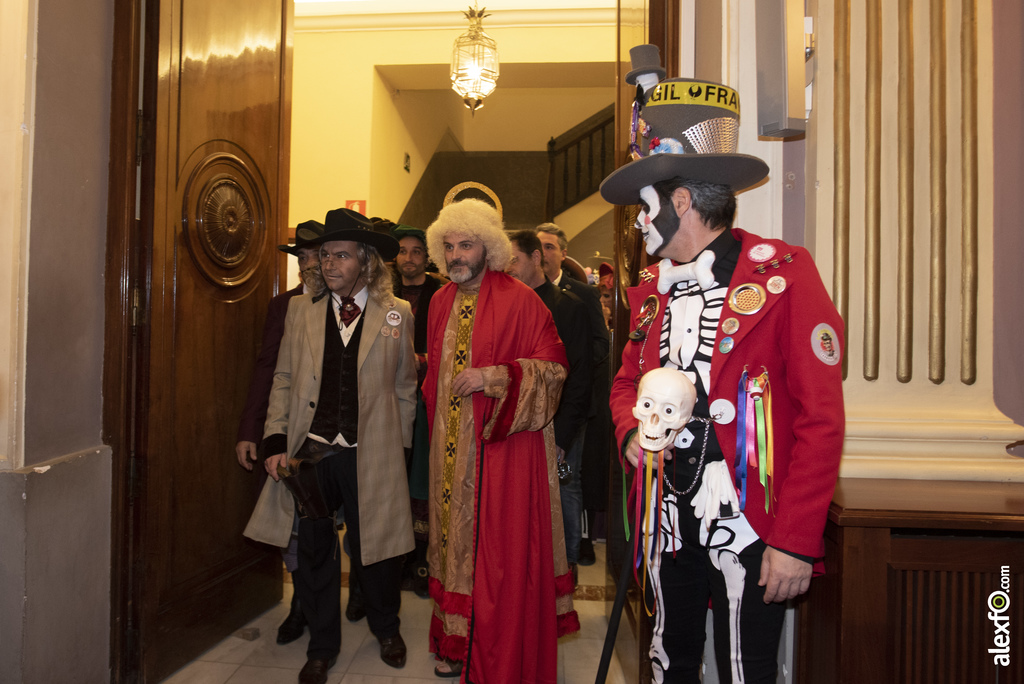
[(347, 310)]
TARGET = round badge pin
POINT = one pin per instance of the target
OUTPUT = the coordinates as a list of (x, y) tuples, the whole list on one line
[(725, 346), (386, 330), (776, 284), (393, 317), (730, 326), (747, 299), (825, 344), (761, 253), (722, 411), (648, 311), (395, 333)]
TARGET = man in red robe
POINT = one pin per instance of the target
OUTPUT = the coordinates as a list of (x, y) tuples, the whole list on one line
[(498, 574)]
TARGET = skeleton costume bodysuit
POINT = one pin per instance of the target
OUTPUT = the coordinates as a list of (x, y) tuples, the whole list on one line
[(697, 558)]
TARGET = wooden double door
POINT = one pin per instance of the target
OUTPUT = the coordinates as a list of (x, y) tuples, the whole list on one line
[(198, 203)]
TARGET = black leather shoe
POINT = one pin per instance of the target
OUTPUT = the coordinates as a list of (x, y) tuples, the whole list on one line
[(587, 556), (392, 651), (293, 626), (354, 609), (315, 671)]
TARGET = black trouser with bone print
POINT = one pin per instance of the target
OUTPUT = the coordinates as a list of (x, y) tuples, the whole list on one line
[(721, 566)]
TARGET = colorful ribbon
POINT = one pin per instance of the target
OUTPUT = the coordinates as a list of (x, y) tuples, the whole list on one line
[(754, 439)]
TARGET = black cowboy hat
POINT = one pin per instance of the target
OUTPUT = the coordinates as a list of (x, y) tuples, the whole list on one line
[(306, 234), (345, 224)]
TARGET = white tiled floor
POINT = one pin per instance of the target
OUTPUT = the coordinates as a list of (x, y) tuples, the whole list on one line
[(263, 661)]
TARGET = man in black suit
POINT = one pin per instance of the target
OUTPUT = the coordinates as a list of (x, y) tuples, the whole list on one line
[(570, 316), (596, 446)]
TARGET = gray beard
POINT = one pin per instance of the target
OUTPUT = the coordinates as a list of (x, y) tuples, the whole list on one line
[(465, 273), (313, 279)]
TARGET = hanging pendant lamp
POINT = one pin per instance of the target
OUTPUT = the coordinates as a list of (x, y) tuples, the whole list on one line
[(474, 62)]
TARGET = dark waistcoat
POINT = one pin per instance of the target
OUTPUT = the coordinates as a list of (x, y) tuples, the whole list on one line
[(337, 409)]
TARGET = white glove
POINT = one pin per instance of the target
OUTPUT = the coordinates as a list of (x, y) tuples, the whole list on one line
[(715, 490)]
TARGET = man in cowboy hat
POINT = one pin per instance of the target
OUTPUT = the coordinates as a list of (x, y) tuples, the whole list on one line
[(342, 404), (250, 428), (747, 485)]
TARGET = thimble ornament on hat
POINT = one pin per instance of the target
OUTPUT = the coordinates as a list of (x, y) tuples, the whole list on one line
[(680, 127)]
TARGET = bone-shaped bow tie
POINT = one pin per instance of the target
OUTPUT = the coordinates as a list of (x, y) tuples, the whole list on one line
[(699, 269)]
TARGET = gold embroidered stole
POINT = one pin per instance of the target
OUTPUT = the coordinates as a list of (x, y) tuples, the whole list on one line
[(467, 308)]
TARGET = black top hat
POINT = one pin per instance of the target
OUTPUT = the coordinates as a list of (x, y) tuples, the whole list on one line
[(345, 224), (306, 234), (644, 59), (687, 129)]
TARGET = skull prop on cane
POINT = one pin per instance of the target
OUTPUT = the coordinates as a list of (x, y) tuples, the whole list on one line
[(664, 404)]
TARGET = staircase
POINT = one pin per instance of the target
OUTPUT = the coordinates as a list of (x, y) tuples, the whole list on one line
[(533, 187), (579, 159)]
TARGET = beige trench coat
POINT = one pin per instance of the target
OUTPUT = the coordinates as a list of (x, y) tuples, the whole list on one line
[(387, 405)]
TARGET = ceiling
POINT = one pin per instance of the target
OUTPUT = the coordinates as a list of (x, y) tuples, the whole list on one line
[(311, 7), (409, 14)]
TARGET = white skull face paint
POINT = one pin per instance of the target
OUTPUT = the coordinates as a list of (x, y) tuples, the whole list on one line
[(659, 222), (665, 401), (645, 219)]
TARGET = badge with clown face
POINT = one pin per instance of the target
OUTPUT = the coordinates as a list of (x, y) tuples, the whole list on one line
[(664, 404)]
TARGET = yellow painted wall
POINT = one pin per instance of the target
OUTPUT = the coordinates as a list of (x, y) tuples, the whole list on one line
[(524, 119), (351, 130), (413, 122)]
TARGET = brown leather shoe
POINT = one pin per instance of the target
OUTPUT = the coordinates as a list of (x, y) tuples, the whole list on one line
[(315, 671), (392, 650)]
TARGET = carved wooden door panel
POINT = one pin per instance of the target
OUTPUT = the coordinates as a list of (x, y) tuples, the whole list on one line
[(217, 107)]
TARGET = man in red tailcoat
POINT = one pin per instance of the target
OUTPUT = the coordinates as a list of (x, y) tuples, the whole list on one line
[(746, 485)]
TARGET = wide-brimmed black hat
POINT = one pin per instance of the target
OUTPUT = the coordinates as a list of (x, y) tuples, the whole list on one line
[(306, 233), (689, 129), (345, 224)]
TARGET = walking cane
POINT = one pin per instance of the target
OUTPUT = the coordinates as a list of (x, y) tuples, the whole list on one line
[(615, 617)]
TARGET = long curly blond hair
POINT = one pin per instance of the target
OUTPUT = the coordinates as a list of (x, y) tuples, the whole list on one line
[(474, 218), (378, 276)]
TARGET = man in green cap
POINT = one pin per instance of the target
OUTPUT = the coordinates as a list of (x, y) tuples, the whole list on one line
[(413, 283)]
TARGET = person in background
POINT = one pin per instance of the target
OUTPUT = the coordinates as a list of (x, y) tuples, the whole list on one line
[(250, 427), (413, 283), (596, 447), (570, 317)]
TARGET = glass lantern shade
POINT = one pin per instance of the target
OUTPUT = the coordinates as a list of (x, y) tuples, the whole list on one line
[(474, 71)]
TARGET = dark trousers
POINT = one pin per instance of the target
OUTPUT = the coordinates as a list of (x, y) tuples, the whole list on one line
[(318, 578), (723, 567)]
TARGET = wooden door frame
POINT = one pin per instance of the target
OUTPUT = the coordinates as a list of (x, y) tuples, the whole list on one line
[(663, 19), (126, 324)]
